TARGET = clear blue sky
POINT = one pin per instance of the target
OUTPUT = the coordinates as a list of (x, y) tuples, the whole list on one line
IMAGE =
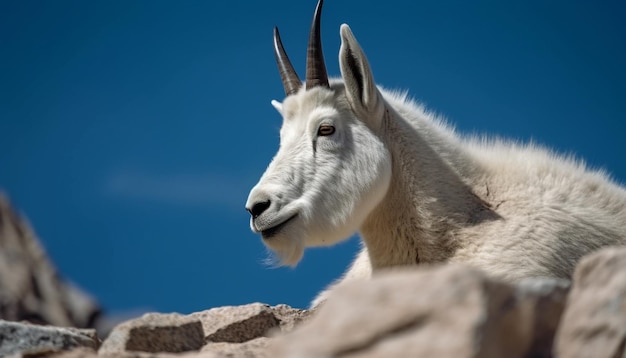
[(132, 131)]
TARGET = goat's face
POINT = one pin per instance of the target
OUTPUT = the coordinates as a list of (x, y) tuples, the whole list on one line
[(330, 171), (332, 167)]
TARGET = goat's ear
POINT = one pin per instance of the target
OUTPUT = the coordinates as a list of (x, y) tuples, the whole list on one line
[(278, 106), (357, 76)]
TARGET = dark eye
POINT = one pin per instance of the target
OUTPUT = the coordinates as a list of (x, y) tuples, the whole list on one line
[(325, 130)]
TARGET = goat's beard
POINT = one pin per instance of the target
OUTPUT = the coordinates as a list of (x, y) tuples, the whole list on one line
[(287, 248)]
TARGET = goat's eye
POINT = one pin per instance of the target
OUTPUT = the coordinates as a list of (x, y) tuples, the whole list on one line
[(325, 130)]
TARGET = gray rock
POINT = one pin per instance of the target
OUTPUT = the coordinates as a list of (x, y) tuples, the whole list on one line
[(594, 321), (22, 338), (447, 311)]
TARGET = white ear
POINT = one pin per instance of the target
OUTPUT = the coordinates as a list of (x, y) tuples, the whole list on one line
[(357, 76), (278, 106)]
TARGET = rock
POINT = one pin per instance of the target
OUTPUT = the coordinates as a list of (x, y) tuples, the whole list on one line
[(155, 332), (237, 324), (594, 321), (255, 348), (30, 287), (289, 317), (33, 339), (546, 298), (231, 330), (447, 311)]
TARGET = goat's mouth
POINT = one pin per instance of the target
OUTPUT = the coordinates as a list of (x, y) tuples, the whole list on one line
[(271, 232)]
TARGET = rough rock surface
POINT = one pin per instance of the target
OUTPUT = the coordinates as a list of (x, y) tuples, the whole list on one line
[(448, 311), (594, 322), (30, 287), (34, 339), (235, 330), (232, 331)]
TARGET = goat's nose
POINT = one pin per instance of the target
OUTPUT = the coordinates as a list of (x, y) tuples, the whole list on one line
[(258, 208)]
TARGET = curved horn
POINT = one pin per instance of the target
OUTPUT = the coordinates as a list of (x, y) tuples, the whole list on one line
[(315, 68), (288, 75)]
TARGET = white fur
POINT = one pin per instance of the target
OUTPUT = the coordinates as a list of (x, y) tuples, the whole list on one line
[(418, 193)]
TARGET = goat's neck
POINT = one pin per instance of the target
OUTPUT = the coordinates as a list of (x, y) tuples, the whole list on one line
[(429, 198)]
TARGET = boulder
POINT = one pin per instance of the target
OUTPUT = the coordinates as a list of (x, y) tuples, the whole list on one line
[(447, 311), (594, 321)]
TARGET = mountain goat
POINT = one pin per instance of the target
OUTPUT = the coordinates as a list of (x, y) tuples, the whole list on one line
[(355, 157)]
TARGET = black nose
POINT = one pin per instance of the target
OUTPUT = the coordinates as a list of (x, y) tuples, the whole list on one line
[(259, 208)]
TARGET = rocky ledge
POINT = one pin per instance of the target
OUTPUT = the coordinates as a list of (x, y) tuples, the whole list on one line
[(443, 311)]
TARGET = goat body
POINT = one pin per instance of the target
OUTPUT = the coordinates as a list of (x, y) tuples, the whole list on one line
[(356, 157)]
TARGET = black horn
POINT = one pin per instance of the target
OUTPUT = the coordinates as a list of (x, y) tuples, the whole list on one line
[(288, 75), (315, 68)]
